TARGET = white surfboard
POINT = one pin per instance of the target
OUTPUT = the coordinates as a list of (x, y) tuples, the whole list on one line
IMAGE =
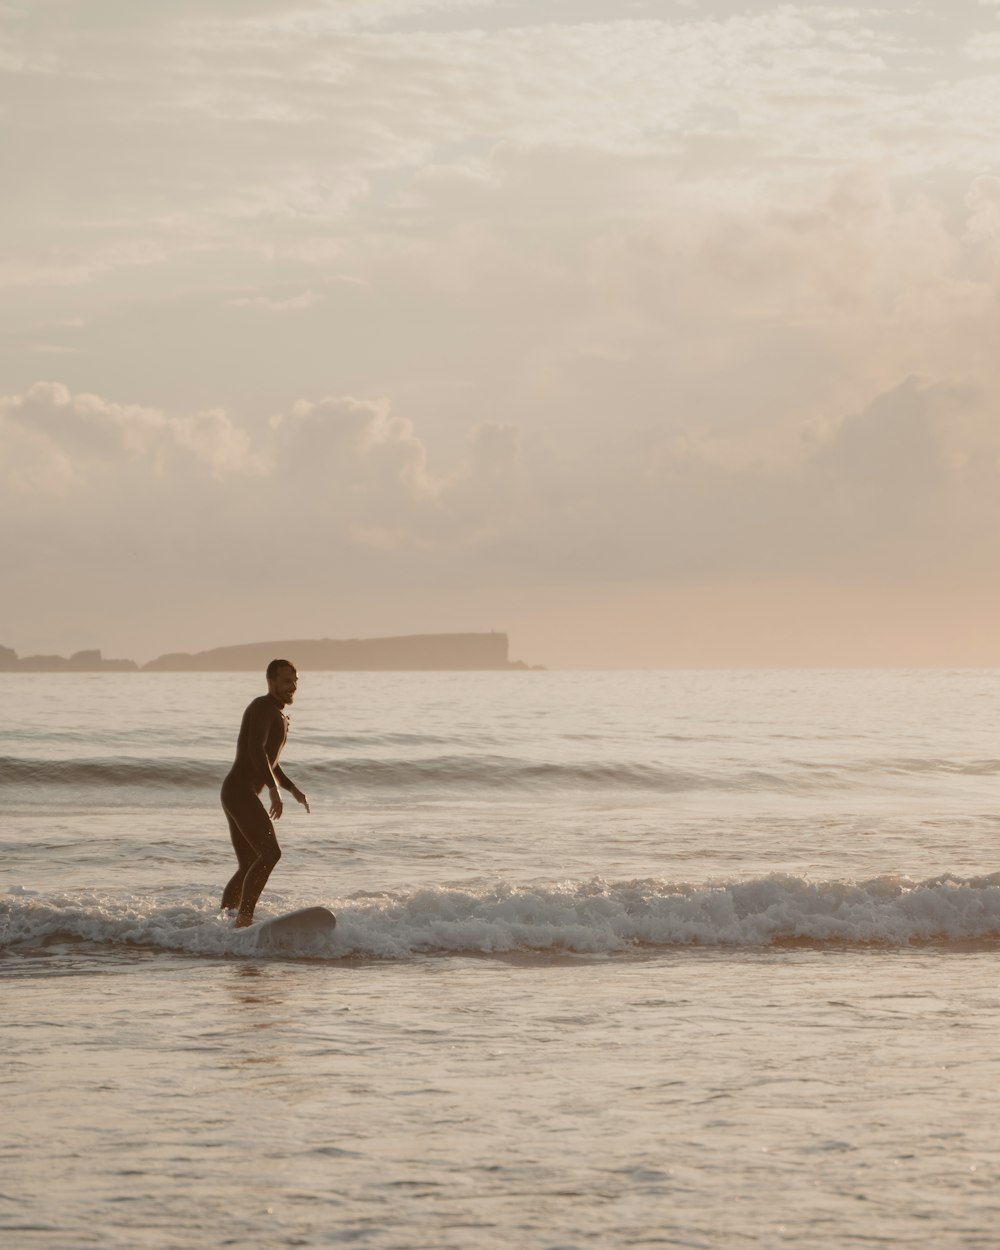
[(295, 926)]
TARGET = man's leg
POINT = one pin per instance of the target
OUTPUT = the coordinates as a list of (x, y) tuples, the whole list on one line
[(256, 849), (245, 856)]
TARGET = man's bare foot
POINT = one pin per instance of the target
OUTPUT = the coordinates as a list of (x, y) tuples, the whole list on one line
[(242, 922)]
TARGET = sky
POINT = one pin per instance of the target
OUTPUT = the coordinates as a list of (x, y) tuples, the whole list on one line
[(651, 332)]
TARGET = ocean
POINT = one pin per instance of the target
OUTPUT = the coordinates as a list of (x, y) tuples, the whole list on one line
[(623, 959)]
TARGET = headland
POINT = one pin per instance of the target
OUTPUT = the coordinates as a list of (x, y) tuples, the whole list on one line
[(405, 653)]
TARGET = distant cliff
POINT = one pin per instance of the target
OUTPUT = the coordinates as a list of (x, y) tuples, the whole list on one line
[(79, 662), (411, 652), (416, 652)]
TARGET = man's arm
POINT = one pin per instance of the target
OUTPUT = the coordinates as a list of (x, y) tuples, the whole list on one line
[(260, 765), (291, 787)]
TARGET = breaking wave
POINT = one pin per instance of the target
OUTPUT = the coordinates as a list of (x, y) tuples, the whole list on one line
[(593, 918)]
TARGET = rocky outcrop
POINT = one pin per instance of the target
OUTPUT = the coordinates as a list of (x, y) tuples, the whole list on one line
[(79, 662), (406, 653), (413, 652)]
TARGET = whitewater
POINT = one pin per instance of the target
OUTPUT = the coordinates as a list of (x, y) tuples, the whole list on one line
[(622, 959)]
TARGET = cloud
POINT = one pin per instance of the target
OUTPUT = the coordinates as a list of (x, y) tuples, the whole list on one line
[(213, 440), (313, 118), (294, 303), (339, 498), (984, 46), (86, 441), (368, 474), (353, 445), (916, 469), (674, 292), (983, 204)]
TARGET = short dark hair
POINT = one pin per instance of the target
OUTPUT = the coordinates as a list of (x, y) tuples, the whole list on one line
[(272, 668)]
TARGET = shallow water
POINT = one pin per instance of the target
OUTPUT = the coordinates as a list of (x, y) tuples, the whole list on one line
[(692, 1098), (753, 1004)]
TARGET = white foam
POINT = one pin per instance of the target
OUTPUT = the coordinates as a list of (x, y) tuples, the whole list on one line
[(593, 917), (596, 917)]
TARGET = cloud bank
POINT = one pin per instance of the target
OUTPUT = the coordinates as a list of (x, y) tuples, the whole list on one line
[(425, 315)]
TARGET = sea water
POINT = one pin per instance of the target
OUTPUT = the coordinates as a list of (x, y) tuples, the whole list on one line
[(695, 959)]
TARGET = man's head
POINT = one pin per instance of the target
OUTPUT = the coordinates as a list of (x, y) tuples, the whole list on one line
[(282, 680)]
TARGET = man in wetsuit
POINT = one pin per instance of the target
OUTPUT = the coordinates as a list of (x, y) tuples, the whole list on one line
[(263, 733)]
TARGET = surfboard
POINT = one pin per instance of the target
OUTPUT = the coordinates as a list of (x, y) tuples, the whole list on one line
[(296, 926)]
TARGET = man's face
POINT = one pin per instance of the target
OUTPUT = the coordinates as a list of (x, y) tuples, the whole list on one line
[(282, 685)]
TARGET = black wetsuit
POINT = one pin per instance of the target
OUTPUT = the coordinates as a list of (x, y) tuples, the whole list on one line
[(263, 733)]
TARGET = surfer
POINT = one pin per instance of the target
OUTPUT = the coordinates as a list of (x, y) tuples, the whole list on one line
[(263, 733)]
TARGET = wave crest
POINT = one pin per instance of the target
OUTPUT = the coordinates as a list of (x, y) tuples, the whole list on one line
[(482, 772), (593, 918)]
